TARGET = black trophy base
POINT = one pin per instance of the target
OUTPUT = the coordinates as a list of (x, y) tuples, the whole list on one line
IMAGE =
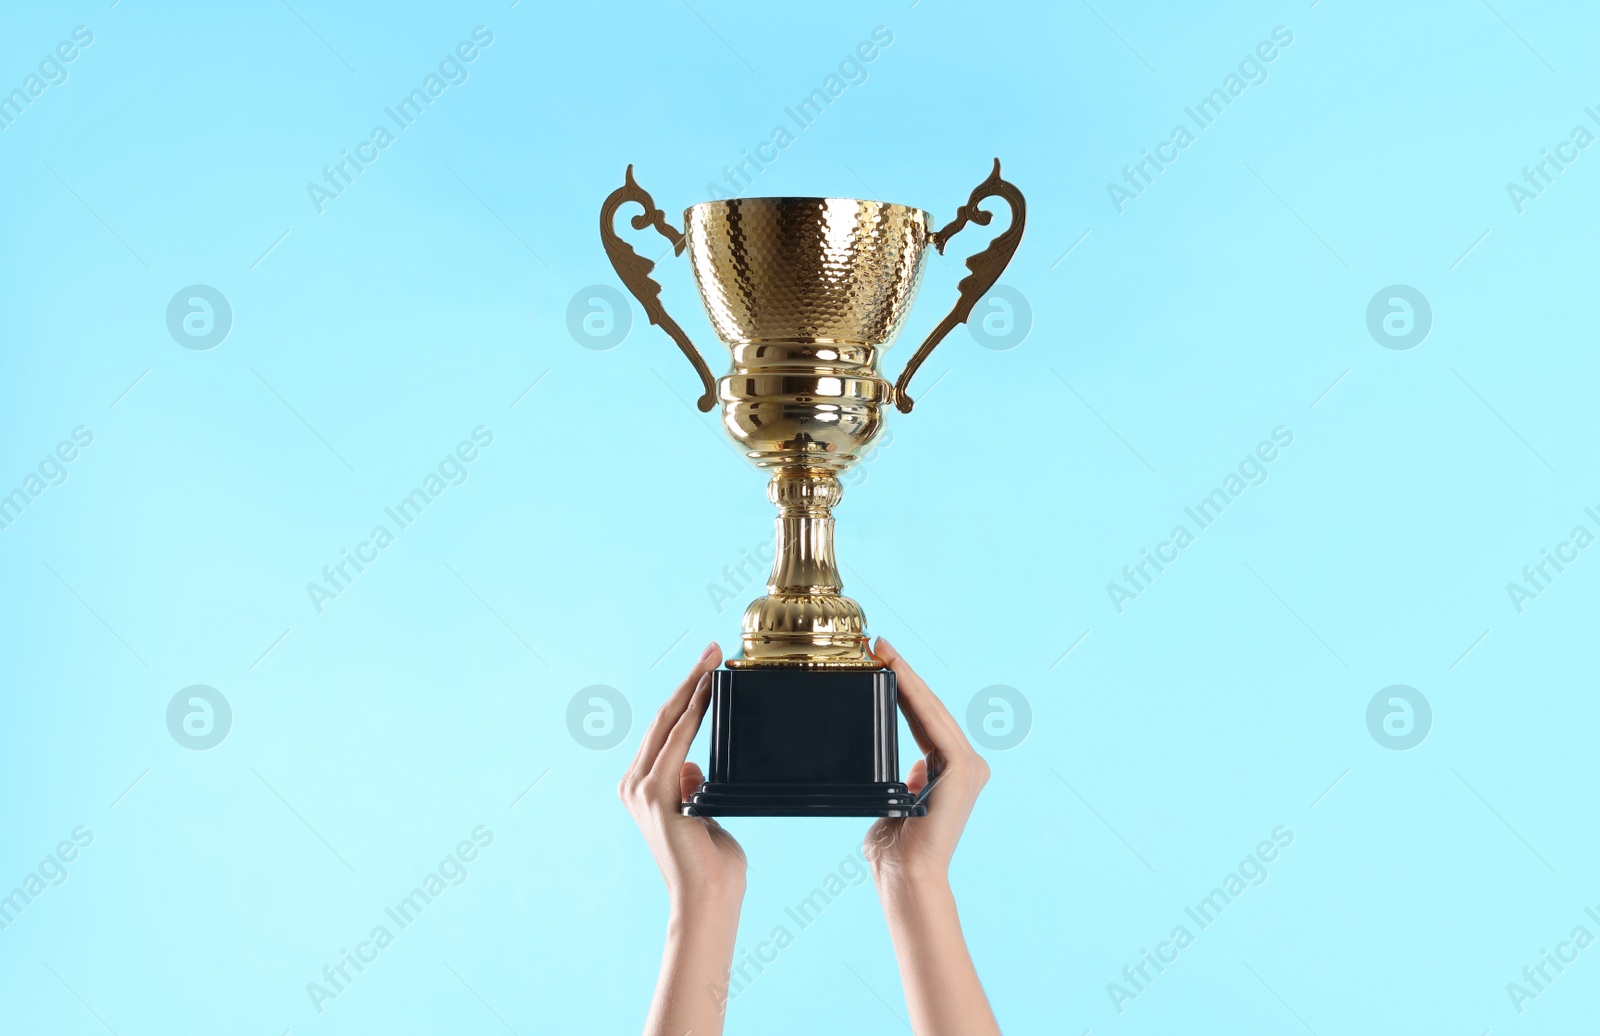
[(803, 743)]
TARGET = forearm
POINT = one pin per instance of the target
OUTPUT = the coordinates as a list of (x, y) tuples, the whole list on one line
[(692, 989), (941, 985)]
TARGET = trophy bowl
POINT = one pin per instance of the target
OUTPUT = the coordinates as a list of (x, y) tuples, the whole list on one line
[(806, 293)]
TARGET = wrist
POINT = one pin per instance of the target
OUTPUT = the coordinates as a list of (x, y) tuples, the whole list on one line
[(907, 885), (705, 909)]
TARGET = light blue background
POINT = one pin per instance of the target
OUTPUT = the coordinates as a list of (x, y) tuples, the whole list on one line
[(1228, 699)]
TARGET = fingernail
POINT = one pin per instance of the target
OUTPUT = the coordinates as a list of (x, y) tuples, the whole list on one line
[(711, 647)]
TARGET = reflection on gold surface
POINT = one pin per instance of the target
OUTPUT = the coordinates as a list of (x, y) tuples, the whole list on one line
[(806, 293)]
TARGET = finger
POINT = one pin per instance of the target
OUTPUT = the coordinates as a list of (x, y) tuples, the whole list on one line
[(918, 732), (916, 699), (689, 778), (940, 727), (917, 779), (887, 654), (672, 709), (668, 768)]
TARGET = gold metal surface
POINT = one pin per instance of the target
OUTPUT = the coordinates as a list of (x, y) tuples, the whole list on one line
[(634, 269), (986, 266), (806, 293)]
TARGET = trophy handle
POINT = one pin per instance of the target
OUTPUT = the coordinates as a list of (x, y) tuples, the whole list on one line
[(634, 269), (986, 267)]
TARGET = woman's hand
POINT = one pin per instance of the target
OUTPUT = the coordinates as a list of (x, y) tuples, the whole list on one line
[(702, 865), (910, 859), (918, 849), (701, 862)]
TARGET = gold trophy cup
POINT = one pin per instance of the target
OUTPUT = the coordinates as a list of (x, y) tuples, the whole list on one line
[(806, 293)]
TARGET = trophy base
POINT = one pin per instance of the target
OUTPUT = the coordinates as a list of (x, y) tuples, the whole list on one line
[(819, 800), (803, 743)]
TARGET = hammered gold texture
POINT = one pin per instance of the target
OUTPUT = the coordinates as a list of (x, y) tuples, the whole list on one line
[(825, 270)]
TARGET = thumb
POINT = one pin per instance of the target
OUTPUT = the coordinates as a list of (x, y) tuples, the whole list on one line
[(690, 779)]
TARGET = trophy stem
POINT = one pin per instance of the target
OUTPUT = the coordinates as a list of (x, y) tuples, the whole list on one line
[(803, 562), (804, 621)]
